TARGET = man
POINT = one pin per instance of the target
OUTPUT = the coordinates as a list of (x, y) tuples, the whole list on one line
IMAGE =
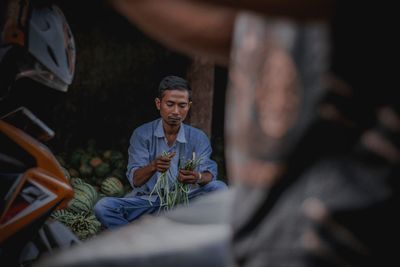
[(158, 147)]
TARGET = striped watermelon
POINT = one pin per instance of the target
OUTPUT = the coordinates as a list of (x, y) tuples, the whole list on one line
[(82, 202), (85, 225), (88, 189), (112, 186), (75, 181), (65, 216), (95, 225)]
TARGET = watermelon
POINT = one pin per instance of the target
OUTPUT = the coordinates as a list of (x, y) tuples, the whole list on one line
[(96, 161), (116, 156), (112, 186), (85, 170), (85, 225), (107, 154), (82, 202), (75, 181), (76, 157), (85, 159), (65, 216), (73, 172), (119, 173), (88, 189), (102, 170)]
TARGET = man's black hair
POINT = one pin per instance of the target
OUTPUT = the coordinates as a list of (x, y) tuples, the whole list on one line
[(174, 83)]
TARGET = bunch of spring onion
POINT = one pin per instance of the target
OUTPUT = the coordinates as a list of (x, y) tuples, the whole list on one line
[(162, 188), (179, 193), (182, 190)]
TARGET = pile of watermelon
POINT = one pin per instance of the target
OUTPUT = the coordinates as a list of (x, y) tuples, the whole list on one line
[(93, 173)]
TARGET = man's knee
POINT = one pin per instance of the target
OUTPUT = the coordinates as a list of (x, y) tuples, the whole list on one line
[(103, 207)]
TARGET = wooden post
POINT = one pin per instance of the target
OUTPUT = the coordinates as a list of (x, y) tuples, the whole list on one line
[(201, 77)]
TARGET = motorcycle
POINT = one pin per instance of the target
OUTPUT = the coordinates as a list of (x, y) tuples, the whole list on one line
[(32, 186), (35, 43)]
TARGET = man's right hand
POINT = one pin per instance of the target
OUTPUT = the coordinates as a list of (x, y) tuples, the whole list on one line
[(162, 162)]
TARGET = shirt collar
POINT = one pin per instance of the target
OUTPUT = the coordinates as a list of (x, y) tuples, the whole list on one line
[(159, 132), (181, 134)]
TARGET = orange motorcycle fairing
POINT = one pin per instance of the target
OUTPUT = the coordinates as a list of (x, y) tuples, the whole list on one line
[(37, 191)]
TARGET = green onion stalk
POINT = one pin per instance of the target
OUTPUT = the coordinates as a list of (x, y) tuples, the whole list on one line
[(162, 188), (180, 191)]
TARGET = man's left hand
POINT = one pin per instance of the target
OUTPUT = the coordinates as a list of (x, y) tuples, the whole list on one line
[(188, 177)]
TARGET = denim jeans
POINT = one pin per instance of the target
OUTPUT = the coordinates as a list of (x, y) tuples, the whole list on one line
[(113, 212)]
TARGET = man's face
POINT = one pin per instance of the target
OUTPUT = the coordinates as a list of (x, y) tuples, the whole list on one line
[(173, 106)]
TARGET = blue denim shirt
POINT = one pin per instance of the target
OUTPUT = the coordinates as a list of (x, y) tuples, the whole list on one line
[(148, 141)]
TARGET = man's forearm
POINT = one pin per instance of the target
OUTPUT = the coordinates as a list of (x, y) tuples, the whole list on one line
[(142, 175), (204, 178)]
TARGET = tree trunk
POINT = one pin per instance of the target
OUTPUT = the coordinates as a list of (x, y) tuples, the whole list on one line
[(201, 77)]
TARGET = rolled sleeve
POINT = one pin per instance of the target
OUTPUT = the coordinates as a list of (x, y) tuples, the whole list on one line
[(203, 150), (138, 154)]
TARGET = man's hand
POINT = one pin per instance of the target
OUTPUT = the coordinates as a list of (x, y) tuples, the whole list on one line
[(188, 177), (162, 162)]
